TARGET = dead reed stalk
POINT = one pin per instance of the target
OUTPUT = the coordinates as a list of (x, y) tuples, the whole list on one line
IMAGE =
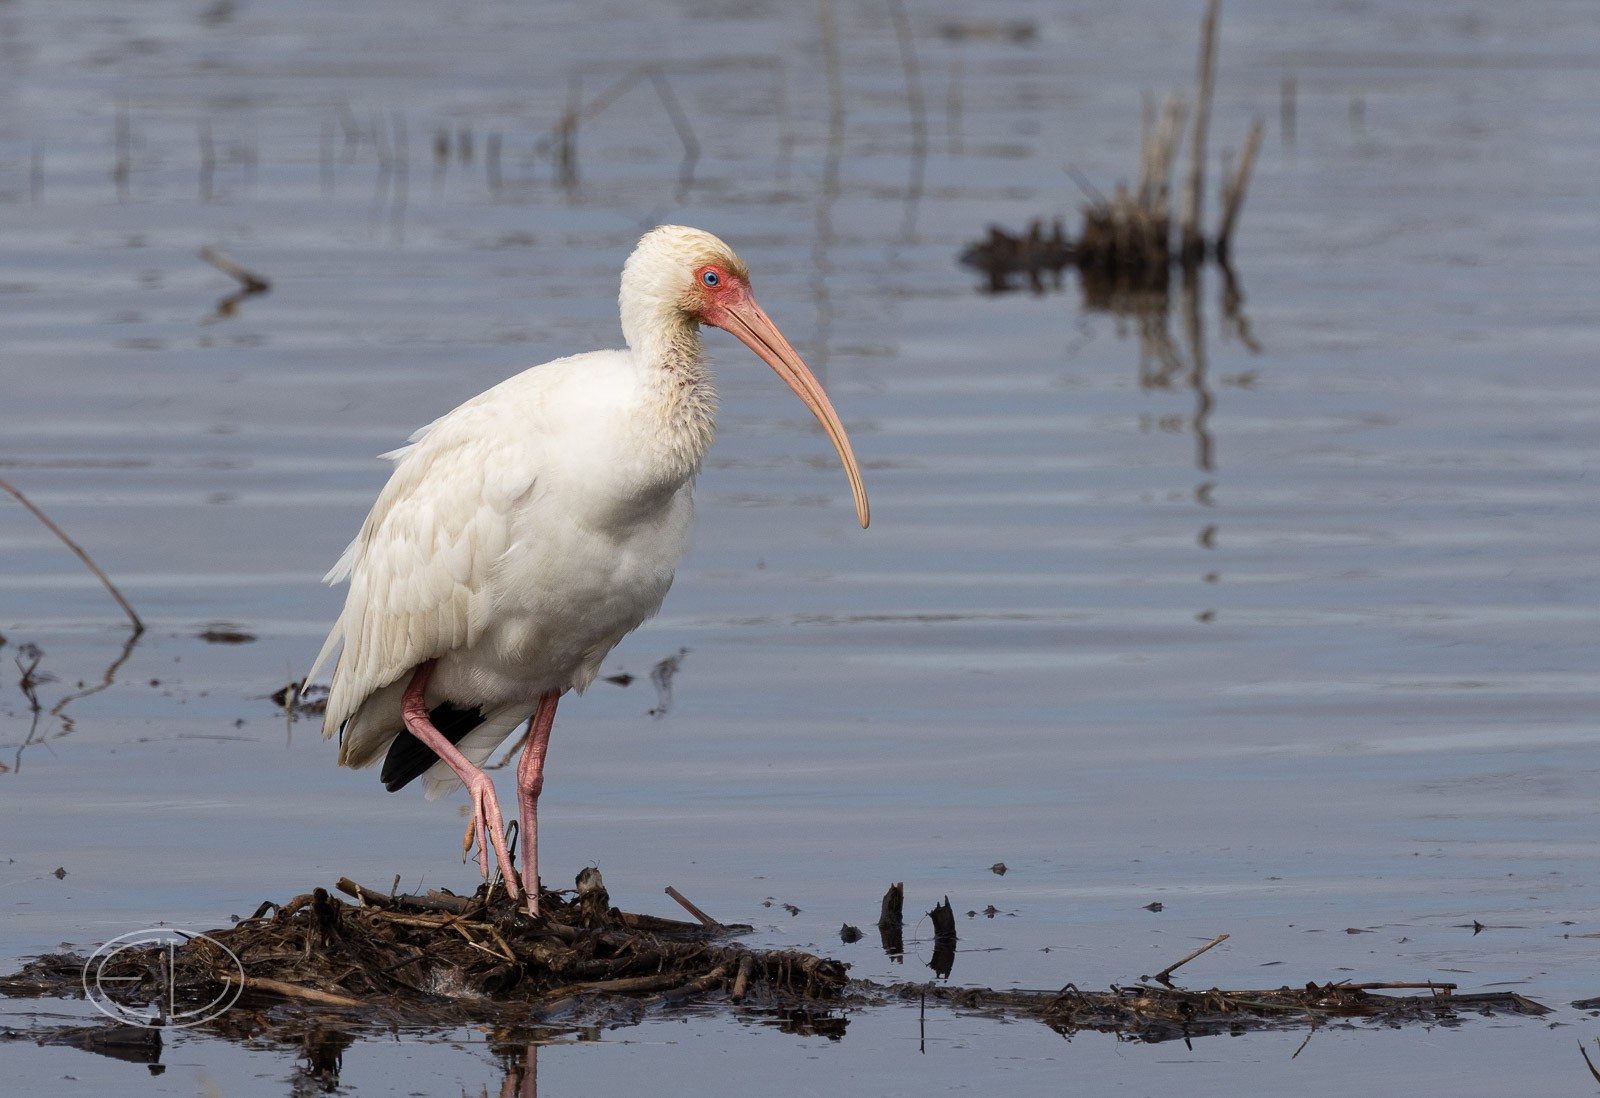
[(1193, 240)]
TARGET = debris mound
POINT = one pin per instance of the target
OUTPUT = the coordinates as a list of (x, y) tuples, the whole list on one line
[(441, 959)]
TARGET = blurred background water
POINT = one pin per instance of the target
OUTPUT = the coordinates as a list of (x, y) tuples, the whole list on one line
[(1291, 630)]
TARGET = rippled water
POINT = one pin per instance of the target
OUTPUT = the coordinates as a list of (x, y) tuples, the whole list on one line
[(1296, 639)]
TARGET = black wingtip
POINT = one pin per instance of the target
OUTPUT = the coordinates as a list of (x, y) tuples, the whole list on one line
[(409, 758)]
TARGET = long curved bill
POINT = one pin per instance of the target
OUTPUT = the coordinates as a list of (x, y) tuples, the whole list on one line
[(755, 329)]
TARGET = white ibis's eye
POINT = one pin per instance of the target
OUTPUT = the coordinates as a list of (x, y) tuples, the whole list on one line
[(710, 278)]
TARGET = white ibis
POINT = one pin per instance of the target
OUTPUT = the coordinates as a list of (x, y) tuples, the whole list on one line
[(524, 534)]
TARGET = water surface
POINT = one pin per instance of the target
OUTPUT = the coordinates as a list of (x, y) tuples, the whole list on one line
[(1295, 640)]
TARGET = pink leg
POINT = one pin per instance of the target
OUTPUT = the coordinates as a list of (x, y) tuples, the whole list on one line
[(530, 780), (486, 827)]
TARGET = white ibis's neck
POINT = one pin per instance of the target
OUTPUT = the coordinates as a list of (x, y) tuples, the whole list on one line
[(665, 341), (668, 352)]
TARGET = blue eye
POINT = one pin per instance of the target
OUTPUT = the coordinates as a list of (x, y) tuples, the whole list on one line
[(710, 278)]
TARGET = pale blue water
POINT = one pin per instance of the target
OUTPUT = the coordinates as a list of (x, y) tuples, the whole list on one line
[(1344, 678)]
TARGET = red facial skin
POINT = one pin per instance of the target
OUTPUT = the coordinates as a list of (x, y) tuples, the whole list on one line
[(713, 302)]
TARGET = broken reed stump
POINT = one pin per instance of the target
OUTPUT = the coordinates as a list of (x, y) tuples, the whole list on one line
[(891, 920), (891, 913)]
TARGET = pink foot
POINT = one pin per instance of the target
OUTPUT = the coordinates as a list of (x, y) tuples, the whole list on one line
[(486, 820), (486, 823)]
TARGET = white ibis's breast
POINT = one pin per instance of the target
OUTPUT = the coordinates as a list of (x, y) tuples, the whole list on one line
[(520, 537), (595, 525)]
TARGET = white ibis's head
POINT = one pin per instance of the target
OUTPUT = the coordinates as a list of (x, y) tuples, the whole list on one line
[(679, 278)]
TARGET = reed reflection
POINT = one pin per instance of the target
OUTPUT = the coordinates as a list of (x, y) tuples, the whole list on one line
[(1142, 298)]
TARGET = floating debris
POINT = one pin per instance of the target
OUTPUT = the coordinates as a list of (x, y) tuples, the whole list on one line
[(1152, 1014), (301, 699), (223, 633), (661, 676), (1005, 30), (250, 283)]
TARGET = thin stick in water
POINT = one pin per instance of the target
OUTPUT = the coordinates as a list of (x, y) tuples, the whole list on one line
[(705, 920), (1193, 240), (1233, 190), (252, 282), (138, 626), (1164, 974), (287, 990)]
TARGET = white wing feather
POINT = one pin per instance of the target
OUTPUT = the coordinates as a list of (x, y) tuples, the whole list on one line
[(420, 570)]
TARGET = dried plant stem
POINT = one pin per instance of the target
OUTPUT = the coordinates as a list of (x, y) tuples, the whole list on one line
[(705, 920), (1588, 1062), (138, 626), (1193, 242), (1233, 189), (249, 280), (1165, 973), (295, 991)]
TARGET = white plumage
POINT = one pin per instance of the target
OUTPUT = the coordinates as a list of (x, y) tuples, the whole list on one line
[(525, 533)]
